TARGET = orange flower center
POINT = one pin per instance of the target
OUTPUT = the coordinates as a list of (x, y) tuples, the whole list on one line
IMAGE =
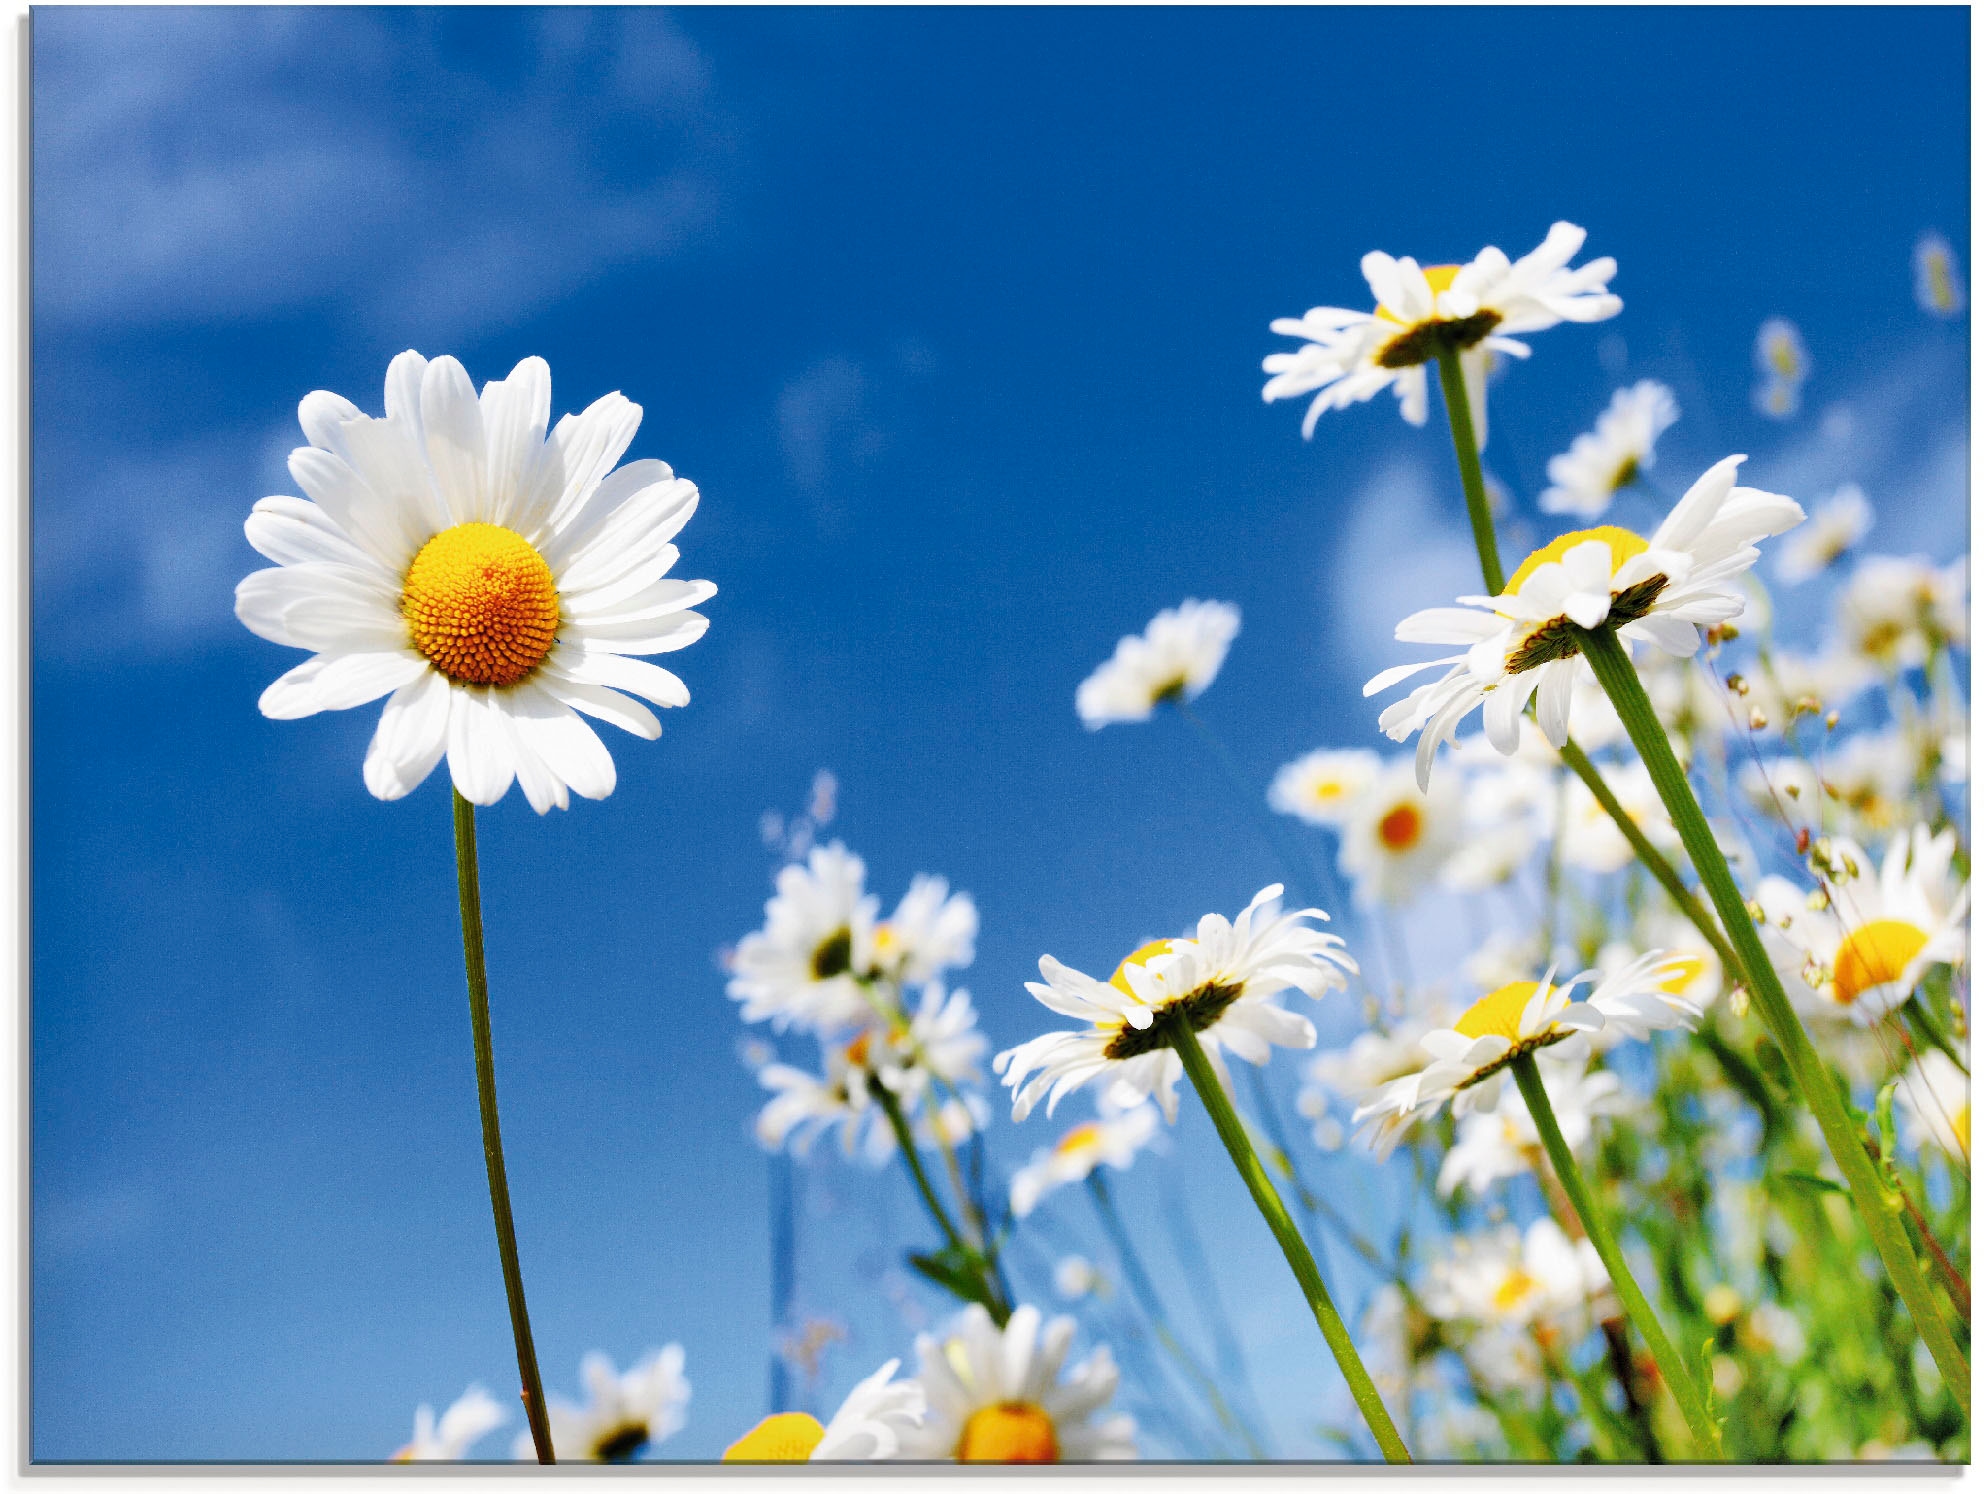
[(1399, 829), (1009, 1432), (1872, 955), (480, 604), (788, 1437)]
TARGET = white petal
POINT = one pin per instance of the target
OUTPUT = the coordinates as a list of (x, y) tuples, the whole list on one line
[(478, 748), (337, 682), (678, 630), (569, 747), (605, 704), (412, 735), (516, 412), (588, 444), (456, 446), (294, 531), (617, 672)]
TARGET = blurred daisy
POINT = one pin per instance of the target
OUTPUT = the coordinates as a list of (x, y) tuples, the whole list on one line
[(1938, 282), (492, 579), (941, 1041), (998, 1395), (466, 1422), (1523, 1017), (803, 1105), (1321, 787), (932, 930), (1613, 454), (1894, 611), (1591, 840), (1472, 309), (1864, 942), (1395, 837), (1934, 1101), (624, 1414), (1174, 658), (1836, 526), (1523, 643), (1223, 983), (869, 1426), (1491, 1145), (1112, 1138), (818, 937), (1075, 1277), (1510, 807), (1782, 365), (1541, 1281)]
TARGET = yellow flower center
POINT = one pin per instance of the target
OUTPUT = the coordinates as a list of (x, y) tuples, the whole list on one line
[(1960, 1123), (788, 1437), (1687, 969), (1499, 1012), (1438, 278), (480, 604), (1872, 955), (857, 1052), (1399, 829), (1623, 543), (1138, 957), (1081, 1138), (1327, 790), (1009, 1432), (1515, 1287)]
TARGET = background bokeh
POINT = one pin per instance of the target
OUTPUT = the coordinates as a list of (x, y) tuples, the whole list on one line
[(956, 319)]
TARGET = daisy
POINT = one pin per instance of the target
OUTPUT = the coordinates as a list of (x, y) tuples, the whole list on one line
[(1541, 1282), (806, 963), (1591, 840), (1320, 787), (1174, 658), (1938, 283), (1491, 1145), (1838, 524), (1471, 309), (1523, 1017), (1075, 1277), (803, 1105), (1613, 454), (1782, 364), (998, 1395), (1523, 643), (464, 1423), (1223, 983), (869, 1426), (932, 930), (1863, 942), (1893, 612), (492, 579), (1934, 1100), (1396, 838), (626, 1412), (1114, 1138), (1510, 807)]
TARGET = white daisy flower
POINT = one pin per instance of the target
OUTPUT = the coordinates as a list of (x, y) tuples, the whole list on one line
[(1491, 1145), (492, 579), (473, 1416), (1938, 282), (624, 1413), (1396, 838), (870, 1426), (1863, 942), (1613, 454), (1523, 643), (1175, 657), (1866, 789), (932, 930), (1473, 308), (1837, 525), (1541, 1281), (1320, 787), (803, 1105), (1112, 1138), (1934, 1101), (1510, 807), (1782, 365), (998, 1395), (818, 939), (1591, 840), (1893, 611), (1523, 1017), (1222, 982)]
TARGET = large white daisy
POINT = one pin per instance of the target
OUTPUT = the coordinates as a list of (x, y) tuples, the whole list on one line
[(492, 577), (1348, 356), (1612, 454), (1176, 656), (1223, 983), (1523, 643)]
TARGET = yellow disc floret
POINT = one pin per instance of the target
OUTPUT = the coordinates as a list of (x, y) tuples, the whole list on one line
[(480, 604), (1438, 278), (1082, 1137), (1623, 543), (1873, 955), (1498, 1013), (788, 1437), (1141, 956), (1009, 1432)]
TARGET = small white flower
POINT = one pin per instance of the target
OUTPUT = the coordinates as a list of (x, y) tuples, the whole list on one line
[(1837, 525), (1938, 282), (1348, 356), (1613, 454), (1894, 611), (1396, 838), (1174, 658), (1075, 1277), (932, 930), (804, 1105), (801, 967), (1934, 1101), (1539, 1281), (624, 1413), (1782, 366), (474, 1415), (1589, 837), (1112, 1138), (870, 1426), (1322, 787), (1491, 1145)]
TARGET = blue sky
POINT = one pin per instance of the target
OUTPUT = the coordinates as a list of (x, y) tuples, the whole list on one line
[(956, 319)]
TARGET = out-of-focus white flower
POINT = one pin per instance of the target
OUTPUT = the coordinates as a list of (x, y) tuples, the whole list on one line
[(1866, 790), (1398, 1344), (1938, 281), (1589, 838), (624, 1413), (473, 1416), (1112, 1138), (1372, 1060), (1523, 643), (998, 1395), (869, 1426), (1894, 610), (932, 930), (1539, 1280), (942, 1041), (1697, 976), (804, 1105), (1395, 838), (1323, 786), (1511, 806), (1223, 983), (1782, 366), (1934, 1101), (818, 936), (1174, 658), (1503, 1143), (1837, 525), (1613, 454), (1075, 1277), (1348, 356), (1863, 943)]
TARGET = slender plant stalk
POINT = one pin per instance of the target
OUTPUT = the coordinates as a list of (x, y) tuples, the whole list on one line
[(470, 885), (1286, 1235), (991, 1286), (1460, 420), (1673, 1368), (1879, 1210)]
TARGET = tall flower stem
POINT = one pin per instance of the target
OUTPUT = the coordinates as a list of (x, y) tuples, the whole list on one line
[(1460, 420), (469, 883), (1199, 1069), (1879, 1210), (983, 1274), (1673, 1368)]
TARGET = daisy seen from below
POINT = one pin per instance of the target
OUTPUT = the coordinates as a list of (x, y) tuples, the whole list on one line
[(1470, 310), (1113, 1137), (803, 965), (1222, 984), (495, 577), (1613, 454), (1523, 643), (1321, 787), (1175, 657), (473, 1416), (1862, 941), (869, 1426), (999, 1395), (625, 1413)]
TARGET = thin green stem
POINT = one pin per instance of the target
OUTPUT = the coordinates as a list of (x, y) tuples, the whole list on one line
[(469, 884), (1673, 1368), (1460, 420), (991, 1289), (1227, 1122), (1879, 1211)]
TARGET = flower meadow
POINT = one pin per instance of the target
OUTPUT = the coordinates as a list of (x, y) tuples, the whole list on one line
[(1671, 1166)]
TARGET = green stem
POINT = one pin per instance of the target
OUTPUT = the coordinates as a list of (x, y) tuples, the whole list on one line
[(1673, 1368), (469, 884), (1460, 420), (1878, 1210), (1241, 1150), (990, 1292)]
